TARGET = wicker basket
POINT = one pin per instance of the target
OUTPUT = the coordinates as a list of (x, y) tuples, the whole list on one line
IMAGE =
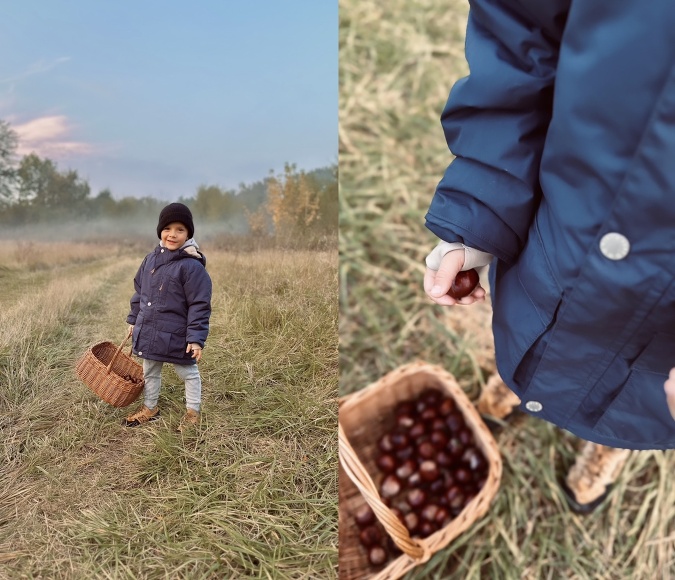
[(362, 421), (114, 376)]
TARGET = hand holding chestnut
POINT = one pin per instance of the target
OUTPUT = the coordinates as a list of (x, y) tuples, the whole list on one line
[(449, 285)]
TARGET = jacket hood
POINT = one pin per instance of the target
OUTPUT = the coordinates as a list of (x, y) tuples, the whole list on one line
[(189, 243), (191, 248)]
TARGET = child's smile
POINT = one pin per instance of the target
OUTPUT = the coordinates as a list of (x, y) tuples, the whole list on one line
[(174, 235)]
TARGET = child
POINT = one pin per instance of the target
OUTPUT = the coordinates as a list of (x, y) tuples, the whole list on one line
[(170, 313), (563, 171)]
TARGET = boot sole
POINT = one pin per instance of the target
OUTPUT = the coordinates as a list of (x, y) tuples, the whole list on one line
[(582, 508), (138, 423)]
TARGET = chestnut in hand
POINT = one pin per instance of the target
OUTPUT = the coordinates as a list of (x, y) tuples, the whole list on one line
[(463, 284)]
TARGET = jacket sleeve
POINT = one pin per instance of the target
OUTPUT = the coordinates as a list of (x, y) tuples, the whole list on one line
[(495, 123), (198, 289), (136, 298)]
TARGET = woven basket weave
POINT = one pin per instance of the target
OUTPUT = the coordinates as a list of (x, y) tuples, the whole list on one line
[(362, 421), (112, 375)]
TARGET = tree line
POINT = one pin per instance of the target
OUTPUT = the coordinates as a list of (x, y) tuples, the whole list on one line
[(292, 204)]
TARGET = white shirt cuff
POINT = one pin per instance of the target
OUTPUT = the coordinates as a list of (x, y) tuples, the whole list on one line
[(472, 258)]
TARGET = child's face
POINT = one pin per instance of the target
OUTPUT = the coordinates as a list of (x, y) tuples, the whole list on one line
[(174, 235)]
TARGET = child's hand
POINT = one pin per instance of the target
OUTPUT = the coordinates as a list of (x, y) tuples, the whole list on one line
[(437, 283), (669, 387), (131, 330), (196, 350)]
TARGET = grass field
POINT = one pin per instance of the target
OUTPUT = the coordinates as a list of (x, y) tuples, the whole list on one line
[(397, 63), (252, 494)]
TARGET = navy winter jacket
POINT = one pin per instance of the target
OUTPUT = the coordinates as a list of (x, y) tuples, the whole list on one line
[(171, 306), (564, 138)]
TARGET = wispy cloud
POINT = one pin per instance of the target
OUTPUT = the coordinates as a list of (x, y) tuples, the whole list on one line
[(50, 137), (38, 67)]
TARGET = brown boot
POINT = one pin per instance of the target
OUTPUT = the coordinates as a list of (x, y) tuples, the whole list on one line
[(142, 416), (590, 479), (496, 401), (189, 421)]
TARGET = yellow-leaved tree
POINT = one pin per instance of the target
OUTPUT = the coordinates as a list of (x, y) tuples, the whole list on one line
[(292, 202)]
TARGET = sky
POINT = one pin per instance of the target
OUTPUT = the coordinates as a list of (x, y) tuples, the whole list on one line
[(155, 98)]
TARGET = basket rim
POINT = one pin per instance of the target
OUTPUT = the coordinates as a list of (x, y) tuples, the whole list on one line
[(417, 551)]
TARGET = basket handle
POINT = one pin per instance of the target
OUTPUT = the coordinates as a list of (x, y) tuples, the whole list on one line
[(119, 348), (362, 480)]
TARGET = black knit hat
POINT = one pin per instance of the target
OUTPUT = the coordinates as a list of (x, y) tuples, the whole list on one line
[(175, 212)]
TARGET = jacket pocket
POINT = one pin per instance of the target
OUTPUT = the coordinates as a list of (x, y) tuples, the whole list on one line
[(527, 301), (135, 335), (170, 344), (639, 412)]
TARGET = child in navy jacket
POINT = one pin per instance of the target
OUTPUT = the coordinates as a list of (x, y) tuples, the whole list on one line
[(170, 312)]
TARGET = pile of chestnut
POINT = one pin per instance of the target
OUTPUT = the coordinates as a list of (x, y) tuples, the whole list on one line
[(431, 469), (131, 379)]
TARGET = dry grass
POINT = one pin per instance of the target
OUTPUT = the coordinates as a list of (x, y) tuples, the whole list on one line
[(27, 255), (397, 64), (251, 494)]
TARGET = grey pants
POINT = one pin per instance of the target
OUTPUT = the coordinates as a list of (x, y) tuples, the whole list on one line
[(152, 373)]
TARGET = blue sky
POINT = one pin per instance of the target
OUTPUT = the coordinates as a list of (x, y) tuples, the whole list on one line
[(156, 98)]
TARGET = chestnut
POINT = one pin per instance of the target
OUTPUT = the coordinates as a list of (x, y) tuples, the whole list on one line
[(416, 498), (431, 396), (452, 492), (455, 421), (464, 284), (386, 463), (429, 512), (404, 408), (455, 447), (405, 453), (364, 516), (370, 536), (427, 528), (437, 486), (444, 459), (465, 436), (404, 421), (400, 506), (377, 555), (415, 480), (474, 459), (385, 444), (428, 415), (438, 424), (426, 450), (439, 439), (462, 475), (429, 470), (411, 521), (446, 407), (399, 440), (390, 486), (406, 469), (442, 516), (417, 430), (456, 498)]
